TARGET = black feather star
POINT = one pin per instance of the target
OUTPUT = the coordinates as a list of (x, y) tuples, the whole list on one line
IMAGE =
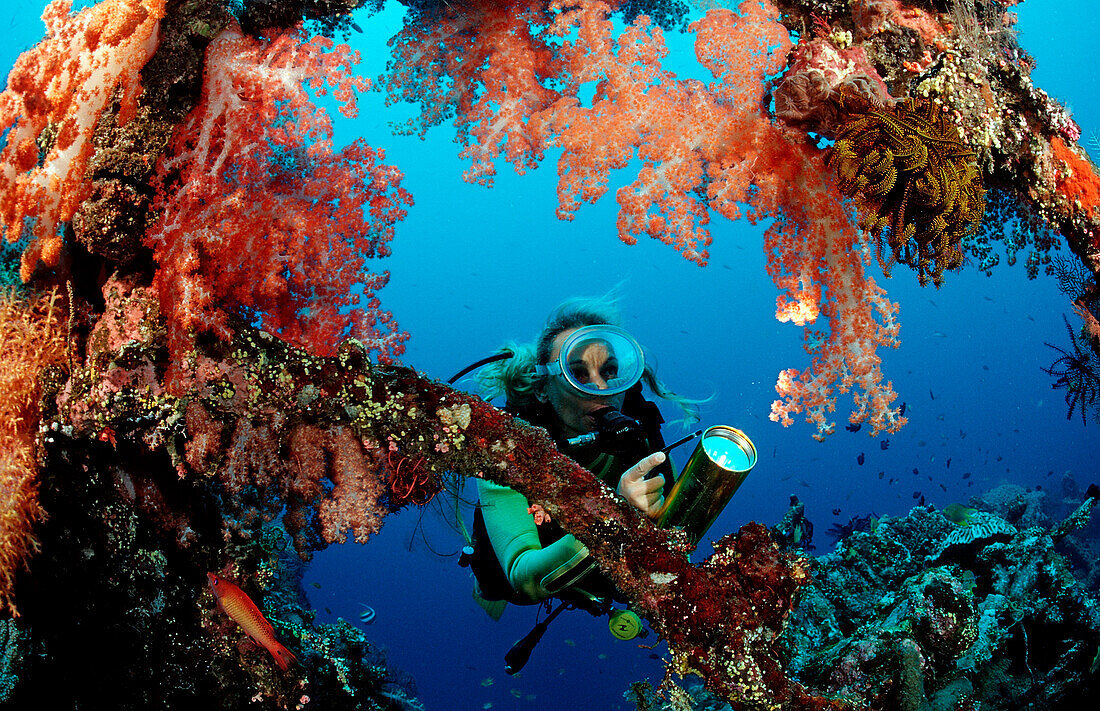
[(1078, 372)]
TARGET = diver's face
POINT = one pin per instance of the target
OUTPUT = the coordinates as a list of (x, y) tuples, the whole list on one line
[(592, 366)]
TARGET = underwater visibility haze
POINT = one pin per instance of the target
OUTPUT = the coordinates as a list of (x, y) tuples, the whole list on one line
[(248, 241)]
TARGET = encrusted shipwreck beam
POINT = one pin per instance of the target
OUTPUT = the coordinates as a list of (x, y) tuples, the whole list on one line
[(338, 442)]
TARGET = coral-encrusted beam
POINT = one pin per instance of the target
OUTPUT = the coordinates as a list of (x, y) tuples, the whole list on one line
[(342, 442), (720, 617)]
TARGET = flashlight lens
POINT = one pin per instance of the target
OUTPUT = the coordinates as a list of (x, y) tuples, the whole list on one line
[(728, 452)]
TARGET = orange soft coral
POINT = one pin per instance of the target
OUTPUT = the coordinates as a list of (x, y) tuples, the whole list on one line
[(56, 93), (700, 147), (31, 337), (1076, 178)]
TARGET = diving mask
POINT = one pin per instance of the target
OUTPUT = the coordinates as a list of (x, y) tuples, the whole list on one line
[(598, 361)]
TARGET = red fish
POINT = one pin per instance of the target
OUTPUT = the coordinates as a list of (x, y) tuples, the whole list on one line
[(234, 602)]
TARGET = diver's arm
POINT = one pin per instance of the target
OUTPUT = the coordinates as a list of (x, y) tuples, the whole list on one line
[(532, 570)]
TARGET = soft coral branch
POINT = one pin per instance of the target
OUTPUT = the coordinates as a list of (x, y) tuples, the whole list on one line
[(56, 93), (261, 217), (699, 148), (333, 430)]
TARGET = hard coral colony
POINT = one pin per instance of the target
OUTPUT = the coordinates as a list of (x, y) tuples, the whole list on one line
[(195, 405)]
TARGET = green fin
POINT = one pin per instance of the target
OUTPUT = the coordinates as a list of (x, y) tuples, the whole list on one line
[(493, 608)]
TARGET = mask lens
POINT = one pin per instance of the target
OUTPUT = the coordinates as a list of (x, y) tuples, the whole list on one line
[(601, 360)]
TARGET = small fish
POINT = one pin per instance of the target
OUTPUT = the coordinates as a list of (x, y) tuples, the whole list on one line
[(931, 394), (916, 471), (367, 615), (949, 462), (328, 611), (836, 512), (859, 459), (234, 602), (316, 585), (854, 427), (901, 413), (884, 444), (881, 474), (966, 475), (916, 494)]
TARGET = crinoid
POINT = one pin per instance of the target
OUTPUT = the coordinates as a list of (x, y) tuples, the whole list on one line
[(915, 182), (1078, 372)]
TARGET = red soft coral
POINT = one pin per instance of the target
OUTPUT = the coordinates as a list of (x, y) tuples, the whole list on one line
[(484, 63), (260, 217)]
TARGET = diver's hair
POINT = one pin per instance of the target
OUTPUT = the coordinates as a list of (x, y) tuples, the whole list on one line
[(516, 379)]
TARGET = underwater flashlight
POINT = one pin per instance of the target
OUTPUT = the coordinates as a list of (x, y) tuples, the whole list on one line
[(723, 458)]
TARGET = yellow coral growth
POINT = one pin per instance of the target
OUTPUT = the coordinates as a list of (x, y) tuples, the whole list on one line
[(31, 337), (915, 182)]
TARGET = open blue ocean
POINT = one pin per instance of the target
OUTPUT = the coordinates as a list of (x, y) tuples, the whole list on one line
[(473, 267)]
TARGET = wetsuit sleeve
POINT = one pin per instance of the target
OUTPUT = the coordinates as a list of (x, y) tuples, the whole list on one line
[(530, 567)]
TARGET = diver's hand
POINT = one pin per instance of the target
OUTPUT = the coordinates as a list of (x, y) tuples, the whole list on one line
[(644, 494)]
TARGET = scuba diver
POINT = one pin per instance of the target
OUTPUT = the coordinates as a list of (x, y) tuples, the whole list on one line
[(581, 381)]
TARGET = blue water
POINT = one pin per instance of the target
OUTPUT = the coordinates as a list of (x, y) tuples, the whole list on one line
[(473, 267)]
